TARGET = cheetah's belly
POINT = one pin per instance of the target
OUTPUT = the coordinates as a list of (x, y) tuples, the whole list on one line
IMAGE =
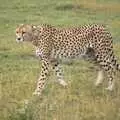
[(68, 54)]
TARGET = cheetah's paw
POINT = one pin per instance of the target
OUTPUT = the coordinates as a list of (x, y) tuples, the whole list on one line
[(109, 88), (38, 93), (63, 83)]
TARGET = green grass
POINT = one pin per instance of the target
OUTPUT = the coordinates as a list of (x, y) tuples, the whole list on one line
[(19, 68)]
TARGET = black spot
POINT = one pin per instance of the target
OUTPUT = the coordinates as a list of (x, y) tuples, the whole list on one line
[(57, 70), (56, 65), (60, 74)]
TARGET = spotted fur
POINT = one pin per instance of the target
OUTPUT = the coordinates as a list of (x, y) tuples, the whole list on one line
[(54, 43)]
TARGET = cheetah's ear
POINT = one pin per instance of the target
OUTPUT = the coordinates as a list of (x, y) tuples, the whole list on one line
[(21, 24), (34, 27)]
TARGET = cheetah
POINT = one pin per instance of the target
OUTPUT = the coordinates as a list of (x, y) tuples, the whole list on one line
[(56, 43)]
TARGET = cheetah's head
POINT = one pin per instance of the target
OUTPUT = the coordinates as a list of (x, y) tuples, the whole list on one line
[(24, 33)]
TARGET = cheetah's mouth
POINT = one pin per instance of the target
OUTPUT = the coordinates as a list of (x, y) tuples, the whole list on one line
[(19, 39)]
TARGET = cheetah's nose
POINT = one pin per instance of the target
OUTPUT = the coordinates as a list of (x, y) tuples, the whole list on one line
[(19, 38)]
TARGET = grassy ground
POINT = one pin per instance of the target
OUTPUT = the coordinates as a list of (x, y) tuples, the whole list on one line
[(19, 68)]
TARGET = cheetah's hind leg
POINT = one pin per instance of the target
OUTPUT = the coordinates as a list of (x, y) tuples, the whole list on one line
[(111, 81), (90, 55)]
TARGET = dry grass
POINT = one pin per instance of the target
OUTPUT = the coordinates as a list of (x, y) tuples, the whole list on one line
[(94, 5)]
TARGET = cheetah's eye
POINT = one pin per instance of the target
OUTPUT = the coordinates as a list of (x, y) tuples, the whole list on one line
[(23, 32)]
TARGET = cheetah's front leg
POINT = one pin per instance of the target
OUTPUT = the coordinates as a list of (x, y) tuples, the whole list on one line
[(42, 79), (58, 72), (100, 77)]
